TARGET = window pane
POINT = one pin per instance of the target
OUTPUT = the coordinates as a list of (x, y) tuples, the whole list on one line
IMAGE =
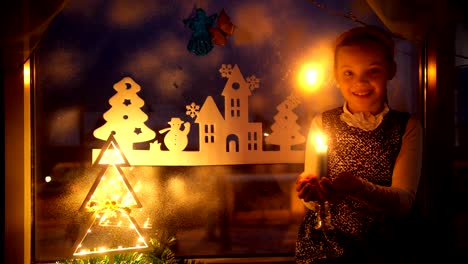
[(103, 61)]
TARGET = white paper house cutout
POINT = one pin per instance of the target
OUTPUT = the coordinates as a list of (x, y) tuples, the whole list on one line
[(227, 138)]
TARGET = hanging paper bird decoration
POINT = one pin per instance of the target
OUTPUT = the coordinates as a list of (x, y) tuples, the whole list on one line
[(224, 29), (204, 35), (200, 42)]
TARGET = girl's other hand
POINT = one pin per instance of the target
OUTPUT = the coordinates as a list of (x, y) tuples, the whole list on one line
[(343, 184), (308, 188)]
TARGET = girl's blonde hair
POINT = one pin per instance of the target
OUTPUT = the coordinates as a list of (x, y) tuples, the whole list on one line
[(364, 34)]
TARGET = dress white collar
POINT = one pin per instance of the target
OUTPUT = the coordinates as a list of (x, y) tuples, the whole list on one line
[(363, 120)]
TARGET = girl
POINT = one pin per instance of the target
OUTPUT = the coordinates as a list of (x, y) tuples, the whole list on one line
[(373, 157)]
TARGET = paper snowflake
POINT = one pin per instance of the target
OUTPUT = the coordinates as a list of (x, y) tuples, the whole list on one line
[(192, 110), (226, 70), (253, 82)]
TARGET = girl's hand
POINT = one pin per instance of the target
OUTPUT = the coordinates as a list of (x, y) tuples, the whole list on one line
[(343, 185), (385, 199), (308, 188)]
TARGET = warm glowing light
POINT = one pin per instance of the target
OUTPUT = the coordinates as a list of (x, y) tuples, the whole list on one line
[(137, 187), (320, 143), (147, 223), (110, 199), (26, 73), (48, 179), (178, 188), (112, 156), (311, 77), (266, 134), (112, 187)]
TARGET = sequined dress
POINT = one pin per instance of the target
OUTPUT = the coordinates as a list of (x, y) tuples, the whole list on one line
[(369, 155)]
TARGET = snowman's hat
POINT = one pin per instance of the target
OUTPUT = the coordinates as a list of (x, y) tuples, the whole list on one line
[(175, 120)]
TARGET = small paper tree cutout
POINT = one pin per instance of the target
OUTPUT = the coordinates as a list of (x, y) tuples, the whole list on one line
[(125, 119), (111, 198), (285, 130)]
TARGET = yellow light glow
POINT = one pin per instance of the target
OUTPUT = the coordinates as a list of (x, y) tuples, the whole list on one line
[(112, 188), (27, 73), (320, 143), (137, 187), (48, 179), (92, 248), (147, 223), (311, 77), (112, 156), (178, 188)]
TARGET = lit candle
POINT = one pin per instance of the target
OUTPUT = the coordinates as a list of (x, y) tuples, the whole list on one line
[(320, 144)]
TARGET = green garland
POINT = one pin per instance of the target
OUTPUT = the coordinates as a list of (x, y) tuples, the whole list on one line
[(161, 253)]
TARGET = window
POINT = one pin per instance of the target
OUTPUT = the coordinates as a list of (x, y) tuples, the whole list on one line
[(209, 134), (252, 140), (175, 106)]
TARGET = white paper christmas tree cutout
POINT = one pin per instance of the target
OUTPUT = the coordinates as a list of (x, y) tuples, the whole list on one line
[(111, 198), (125, 119), (225, 138), (285, 130)]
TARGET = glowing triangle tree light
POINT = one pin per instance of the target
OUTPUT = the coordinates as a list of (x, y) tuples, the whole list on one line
[(111, 198)]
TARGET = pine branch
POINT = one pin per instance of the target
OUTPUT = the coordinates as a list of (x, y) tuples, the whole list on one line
[(161, 253)]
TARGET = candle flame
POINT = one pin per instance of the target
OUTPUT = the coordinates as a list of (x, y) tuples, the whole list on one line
[(320, 143)]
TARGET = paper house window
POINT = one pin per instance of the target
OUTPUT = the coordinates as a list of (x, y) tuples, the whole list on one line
[(252, 140), (209, 133)]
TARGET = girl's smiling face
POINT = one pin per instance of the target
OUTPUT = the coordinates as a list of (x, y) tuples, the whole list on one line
[(362, 72)]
